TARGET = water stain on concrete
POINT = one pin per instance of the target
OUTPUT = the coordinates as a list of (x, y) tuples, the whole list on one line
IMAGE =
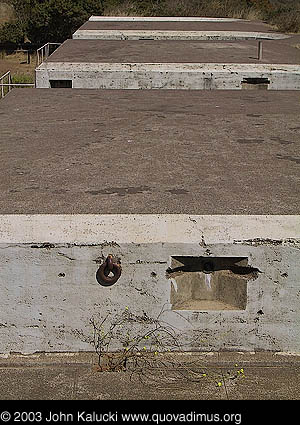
[(249, 141), (120, 191), (281, 141), (289, 158), (178, 191), (60, 191)]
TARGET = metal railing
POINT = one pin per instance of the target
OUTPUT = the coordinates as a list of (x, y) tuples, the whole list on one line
[(43, 52), (26, 52), (6, 87), (7, 77)]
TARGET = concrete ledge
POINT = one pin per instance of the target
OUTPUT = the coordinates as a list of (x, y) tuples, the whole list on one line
[(149, 228), (169, 67), (196, 76), (161, 18), (174, 35)]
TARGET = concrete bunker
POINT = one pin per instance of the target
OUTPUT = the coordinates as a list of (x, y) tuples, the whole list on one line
[(209, 283)]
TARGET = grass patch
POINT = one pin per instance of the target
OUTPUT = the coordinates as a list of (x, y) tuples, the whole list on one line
[(23, 79), (18, 79)]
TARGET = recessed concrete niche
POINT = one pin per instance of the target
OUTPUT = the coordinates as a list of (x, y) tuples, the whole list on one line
[(209, 283), (61, 84), (255, 83)]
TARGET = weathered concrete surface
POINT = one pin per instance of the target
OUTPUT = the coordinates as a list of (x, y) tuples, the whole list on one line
[(180, 64), (173, 35), (175, 52), (101, 159), (167, 76), (68, 376), (89, 229), (55, 294), (160, 18), (175, 24), (154, 152)]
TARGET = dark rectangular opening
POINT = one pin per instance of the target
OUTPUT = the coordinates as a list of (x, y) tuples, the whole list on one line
[(61, 84), (255, 83)]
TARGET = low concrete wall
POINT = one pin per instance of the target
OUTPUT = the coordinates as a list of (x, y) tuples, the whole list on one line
[(167, 76), (174, 35), (49, 292), (161, 19)]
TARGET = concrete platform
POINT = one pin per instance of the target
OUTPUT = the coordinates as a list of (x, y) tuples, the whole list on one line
[(224, 152), (173, 24), (267, 376), (179, 52), (176, 28), (197, 196), (141, 64)]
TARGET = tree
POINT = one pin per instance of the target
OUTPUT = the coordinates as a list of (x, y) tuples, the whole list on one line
[(11, 32), (53, 20)]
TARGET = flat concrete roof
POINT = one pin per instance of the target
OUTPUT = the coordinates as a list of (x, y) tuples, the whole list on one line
[(65, 151), (167, 25), (175, 51)]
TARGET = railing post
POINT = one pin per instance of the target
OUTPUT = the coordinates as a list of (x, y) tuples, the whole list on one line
[(9, 81), (259, 50)]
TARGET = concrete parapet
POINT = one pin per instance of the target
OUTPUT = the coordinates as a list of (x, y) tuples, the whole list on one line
[(174, 35), (209, 76)]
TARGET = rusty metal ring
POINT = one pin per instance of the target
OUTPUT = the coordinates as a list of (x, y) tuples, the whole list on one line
[(105, 269), (109, 265)]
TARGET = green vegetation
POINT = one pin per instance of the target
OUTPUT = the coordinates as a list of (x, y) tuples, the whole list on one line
[(283, 15), (22, 79), (41, 21), (6, 13), (149, 344)]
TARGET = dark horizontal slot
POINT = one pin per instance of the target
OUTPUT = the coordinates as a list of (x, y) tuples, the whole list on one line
[(256, 81), (61, 84)]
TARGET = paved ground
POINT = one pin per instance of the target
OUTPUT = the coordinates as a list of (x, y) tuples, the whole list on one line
[(210, 376), (82, 151), (176, 51)]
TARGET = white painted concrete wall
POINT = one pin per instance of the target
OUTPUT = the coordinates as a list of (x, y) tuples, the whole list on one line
[(49, 292), (167, 76), (174, 35), (162, 19)]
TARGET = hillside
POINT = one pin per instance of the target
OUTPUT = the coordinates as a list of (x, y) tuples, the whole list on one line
[(283, 15), (56, 20)]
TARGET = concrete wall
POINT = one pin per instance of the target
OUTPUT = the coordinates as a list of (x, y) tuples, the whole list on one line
[(174, 35), (49, 292), (162, 19), (167, 76)]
